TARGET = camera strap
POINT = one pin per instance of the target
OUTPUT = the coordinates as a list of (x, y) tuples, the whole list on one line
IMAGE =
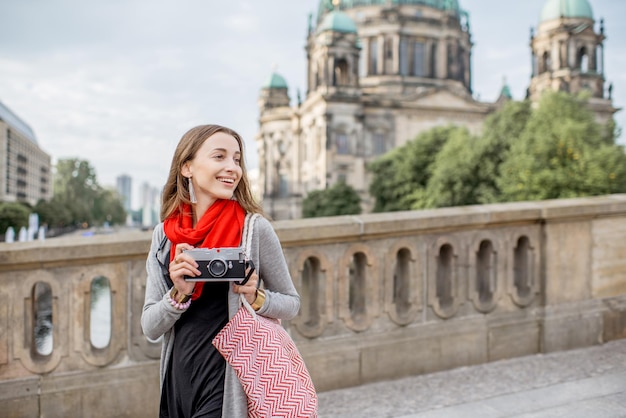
[(250, 264), (248, 228)]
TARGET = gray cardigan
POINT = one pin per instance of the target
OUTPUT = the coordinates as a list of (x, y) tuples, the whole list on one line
[(282, 301)]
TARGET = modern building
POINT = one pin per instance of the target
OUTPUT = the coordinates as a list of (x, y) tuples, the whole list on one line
[(124, 185), (379, 72), (149, 204), (25, 169)]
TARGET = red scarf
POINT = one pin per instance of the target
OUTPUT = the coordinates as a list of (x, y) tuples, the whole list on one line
[(220, 226)]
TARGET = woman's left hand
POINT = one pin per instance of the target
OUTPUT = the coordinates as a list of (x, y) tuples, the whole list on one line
[(248, 289)]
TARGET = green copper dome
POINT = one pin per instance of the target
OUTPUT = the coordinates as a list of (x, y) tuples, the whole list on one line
[(338, 22), (554, 9), (447, 5), (275, 81), (506, 91)]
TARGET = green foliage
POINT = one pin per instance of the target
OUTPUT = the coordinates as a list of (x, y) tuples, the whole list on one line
[(556, 150), (467, 168), (108, 208), (400, 176), (563, 153), (53, 213), (340, 199), (78, 198), (76, 187), (13, 214), (501, 129), (455, 163)]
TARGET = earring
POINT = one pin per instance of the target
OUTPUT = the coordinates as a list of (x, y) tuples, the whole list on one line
[(192, 193)]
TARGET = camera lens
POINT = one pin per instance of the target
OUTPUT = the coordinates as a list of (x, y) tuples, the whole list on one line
[(217, 268)]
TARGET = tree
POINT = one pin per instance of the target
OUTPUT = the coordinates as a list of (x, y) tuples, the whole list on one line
[(54, 213), (108, 208), (556, 150), (453, 179), (76, 187), (399, 178), (563, 152), (466, 170), (77, 200), (340, 199), (13, 214)]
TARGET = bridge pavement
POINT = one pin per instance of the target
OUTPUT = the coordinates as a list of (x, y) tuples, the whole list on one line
[(583, 383)]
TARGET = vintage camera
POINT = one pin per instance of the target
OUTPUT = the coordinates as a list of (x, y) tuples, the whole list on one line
[(220, 264)]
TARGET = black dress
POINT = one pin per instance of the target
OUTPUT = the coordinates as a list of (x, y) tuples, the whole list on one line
[(194, 381)]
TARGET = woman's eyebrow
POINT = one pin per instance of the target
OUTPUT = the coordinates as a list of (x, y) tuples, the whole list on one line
[(224, 150)]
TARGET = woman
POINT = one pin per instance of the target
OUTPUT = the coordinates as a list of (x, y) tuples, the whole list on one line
[(205, 201)]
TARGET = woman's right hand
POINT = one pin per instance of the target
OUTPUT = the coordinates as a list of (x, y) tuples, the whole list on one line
[(183, 265)]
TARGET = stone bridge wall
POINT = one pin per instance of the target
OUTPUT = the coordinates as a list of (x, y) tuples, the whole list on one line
[(383, 296)]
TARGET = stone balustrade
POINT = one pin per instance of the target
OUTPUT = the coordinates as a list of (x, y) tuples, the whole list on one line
[(383, 296)]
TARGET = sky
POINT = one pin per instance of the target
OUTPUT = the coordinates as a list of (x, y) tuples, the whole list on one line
[(118, 82)]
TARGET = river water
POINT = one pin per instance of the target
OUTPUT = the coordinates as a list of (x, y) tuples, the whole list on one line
[(100, 318)]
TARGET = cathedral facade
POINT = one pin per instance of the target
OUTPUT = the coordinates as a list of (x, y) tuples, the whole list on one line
[(379, 72)]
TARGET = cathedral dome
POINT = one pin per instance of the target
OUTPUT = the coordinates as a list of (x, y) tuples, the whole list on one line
[(446, 5), (275, 81), (555, 9), (337, 22)]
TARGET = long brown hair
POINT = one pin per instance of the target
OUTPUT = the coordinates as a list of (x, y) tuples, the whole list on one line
[(176, 190)]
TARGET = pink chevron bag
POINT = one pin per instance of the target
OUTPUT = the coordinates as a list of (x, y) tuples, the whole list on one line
[(267, 362), (270, 368)]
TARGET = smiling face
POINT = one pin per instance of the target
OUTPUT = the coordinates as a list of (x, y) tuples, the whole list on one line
[(215, 170)]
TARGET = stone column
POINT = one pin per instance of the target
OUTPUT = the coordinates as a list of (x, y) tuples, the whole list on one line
[(381, 55), (396, 54), (364, 58)]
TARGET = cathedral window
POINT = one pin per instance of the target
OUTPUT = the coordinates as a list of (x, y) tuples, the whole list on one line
[(451, 62), (378, 144), (283, 186), (461, 65), (418, 59), (361, 147), (546, 62), (341, 76), (433, 60), (583, 60), (342, 144), (404, 58)]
